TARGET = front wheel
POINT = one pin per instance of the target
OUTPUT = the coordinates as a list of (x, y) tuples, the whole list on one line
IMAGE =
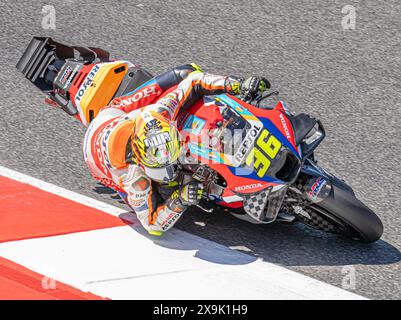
[(341, 212)]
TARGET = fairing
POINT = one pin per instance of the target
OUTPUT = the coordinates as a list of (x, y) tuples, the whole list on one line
[(251, 132)]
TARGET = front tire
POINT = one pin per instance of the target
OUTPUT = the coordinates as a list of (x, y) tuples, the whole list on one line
[(354, 219)]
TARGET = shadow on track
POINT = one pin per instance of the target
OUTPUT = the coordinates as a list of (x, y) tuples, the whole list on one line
[(288, 245), (172, 240), (218, 254)]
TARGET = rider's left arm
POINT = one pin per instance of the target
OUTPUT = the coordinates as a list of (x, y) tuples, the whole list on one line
[(195, 86)]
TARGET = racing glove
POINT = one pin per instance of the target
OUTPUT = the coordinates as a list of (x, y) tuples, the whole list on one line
[(191, 193), (253, 86)]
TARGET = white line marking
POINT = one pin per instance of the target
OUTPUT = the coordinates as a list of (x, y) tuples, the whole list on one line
[(126, 263)]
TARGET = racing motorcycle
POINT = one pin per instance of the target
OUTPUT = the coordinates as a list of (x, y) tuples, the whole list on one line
[(256, 161)]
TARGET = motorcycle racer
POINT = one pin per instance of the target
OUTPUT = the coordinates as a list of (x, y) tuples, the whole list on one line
[(133, 146)]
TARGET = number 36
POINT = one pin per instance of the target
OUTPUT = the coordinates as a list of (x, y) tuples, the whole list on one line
[(265, 150)]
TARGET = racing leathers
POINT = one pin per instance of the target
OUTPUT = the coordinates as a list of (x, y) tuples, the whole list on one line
[(107, 140)]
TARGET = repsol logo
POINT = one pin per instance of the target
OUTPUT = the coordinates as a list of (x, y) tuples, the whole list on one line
[(87, 83), (247, 144)]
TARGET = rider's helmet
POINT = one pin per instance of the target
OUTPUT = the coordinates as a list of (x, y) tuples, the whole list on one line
[(156, 145)]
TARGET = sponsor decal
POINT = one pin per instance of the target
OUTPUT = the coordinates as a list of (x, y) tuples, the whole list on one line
[(100, 149), (151, 124), (300, 211), (316, 188), (171, 218), (285, 127), (87, 83), (65, 74), (146, 92), (157, 140), (205, 153), (194, 125), (197, 125), (139, 195), (137, 203), (247, 144), (104, 145), (248, 187), (98, 153), (170, 102), (72, 76)]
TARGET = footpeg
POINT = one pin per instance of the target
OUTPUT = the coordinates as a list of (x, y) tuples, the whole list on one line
[(285, 217)]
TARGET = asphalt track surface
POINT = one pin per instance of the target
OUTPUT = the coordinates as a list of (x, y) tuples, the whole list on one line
[(348, 78)]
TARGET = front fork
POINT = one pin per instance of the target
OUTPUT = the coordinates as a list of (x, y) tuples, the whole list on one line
[(315, 183)]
